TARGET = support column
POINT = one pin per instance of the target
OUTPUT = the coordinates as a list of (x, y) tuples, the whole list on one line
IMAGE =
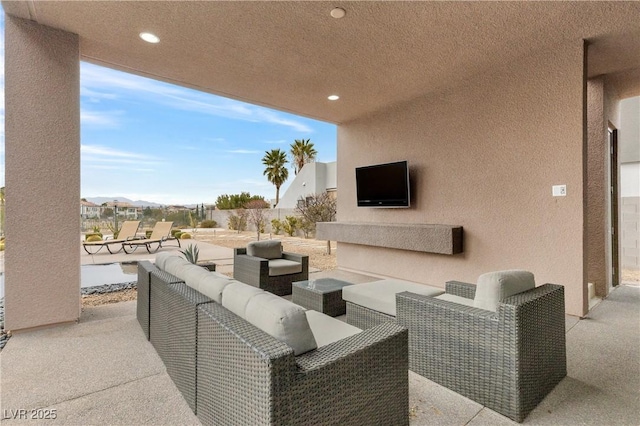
[(42, 154)]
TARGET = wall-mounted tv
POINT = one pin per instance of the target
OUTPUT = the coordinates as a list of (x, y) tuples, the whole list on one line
[(383, 185)]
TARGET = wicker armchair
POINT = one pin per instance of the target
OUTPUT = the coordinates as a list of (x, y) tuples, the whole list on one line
[(254, 270), (507, 360)]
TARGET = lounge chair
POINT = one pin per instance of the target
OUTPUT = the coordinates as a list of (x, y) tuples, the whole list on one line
[(263, 264), (127, 233), (160, 234)]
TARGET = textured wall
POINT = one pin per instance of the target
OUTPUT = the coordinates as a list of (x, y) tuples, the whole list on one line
[(441, 239), (602, 112), (483, 156), (42, 130), (630, 232), (597, 177), (629, 137)]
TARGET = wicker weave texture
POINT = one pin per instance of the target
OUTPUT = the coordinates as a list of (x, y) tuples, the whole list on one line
[(329, 303), (255, 271), (458, 288), (181, 349), (361, 317), (242, 371), (247, 377), (159, 310), (359, 380), (142, 308), (506, 360)]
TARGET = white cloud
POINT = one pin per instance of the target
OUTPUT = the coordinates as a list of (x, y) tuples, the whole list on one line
[(243, 151), (102, 157), (103, 118), (95, 79), (278, 142), (110, 152)]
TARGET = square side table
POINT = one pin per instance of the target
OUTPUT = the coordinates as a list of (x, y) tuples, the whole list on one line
[(322, 295)]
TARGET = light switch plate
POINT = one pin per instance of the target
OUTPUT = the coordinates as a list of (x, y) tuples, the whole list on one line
[(559, 190)]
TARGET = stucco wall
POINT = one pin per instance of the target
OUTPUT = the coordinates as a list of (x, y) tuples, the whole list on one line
[(314, 178), (42, 130), (484, 156), (629, 136), (602, 112)]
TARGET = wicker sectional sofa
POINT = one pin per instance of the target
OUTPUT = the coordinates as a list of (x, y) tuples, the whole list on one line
[(306, 368)]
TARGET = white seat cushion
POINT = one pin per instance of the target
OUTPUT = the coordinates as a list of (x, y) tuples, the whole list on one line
[(456, 299), (269, 249), (281, 319), (284, 267), (162, 257), (381, 295), (493, 287), (172, 264), (213, 285), (327, 330), (236, 296), (192, 274)]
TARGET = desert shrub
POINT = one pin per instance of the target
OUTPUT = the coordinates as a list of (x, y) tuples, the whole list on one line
[(208, 224), (276, 226), (238, 222), (174, 231), (290, 225), (191, 253), (306, 226), (96, 230), (147, 233), (178, 234), (93, 237), (185, 236), (2, 245)]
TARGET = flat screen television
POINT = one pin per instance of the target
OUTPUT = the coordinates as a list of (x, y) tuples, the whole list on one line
[(383, 185)]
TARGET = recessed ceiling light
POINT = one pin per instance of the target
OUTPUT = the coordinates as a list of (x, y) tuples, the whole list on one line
[(150, 38), (338, 12), (333, 97)]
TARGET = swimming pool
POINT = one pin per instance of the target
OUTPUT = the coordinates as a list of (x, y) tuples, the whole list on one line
[(100, 274)]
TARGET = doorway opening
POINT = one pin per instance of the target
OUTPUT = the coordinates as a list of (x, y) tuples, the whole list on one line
[(614, 228)]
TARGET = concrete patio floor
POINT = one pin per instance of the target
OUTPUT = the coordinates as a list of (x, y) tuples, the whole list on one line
[(103, 371)]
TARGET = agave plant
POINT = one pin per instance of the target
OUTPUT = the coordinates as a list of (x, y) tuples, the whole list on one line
[(191, 253)]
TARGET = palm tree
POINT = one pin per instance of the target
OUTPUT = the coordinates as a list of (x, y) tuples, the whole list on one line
[(276, 170), (302, 152)]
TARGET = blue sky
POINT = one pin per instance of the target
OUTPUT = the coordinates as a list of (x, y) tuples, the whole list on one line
[(149, 140)]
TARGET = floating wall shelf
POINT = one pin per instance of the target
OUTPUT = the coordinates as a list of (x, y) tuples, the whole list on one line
[(441, 239)]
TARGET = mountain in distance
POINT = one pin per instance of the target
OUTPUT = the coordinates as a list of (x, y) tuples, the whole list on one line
[(141, 203)]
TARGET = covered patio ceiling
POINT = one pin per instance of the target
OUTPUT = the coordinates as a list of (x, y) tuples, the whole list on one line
[(292, 55)]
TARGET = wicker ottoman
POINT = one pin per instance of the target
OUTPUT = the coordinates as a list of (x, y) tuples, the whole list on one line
[(322, 295)]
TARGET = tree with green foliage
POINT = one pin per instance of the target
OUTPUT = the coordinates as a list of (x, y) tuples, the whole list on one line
[(276, 170), (236, 201), (302, 152)]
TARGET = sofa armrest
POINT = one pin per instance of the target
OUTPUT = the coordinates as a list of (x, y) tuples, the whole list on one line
[(295, 256), (250, 269), (459, 288), (300, 258), (362, 378), (352, 345), (411, 307)]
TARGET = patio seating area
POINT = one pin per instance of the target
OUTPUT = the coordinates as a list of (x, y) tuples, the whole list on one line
[(104, 371)]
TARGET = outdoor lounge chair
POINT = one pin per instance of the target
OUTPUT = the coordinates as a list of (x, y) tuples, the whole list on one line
[(263, 264), (500, 343), (127, 233), (160, 234)]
